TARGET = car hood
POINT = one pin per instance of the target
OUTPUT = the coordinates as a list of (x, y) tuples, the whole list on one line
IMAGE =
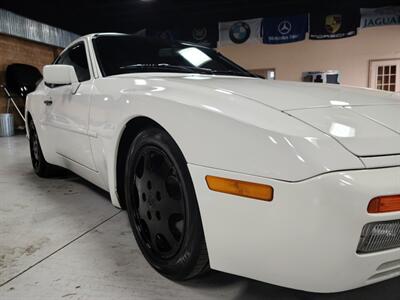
[(281, 95), (284, 95), (364, 130), (366, 122)]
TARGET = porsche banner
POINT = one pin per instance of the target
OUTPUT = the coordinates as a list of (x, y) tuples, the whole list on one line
[(382, 16), (325, 26), (240, 32), (279, 30)]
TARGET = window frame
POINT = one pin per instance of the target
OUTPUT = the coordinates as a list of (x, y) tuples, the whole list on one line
[(103, 74), (66, 50), (372, 75)]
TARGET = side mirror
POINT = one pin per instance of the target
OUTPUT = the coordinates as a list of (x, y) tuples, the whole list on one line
[(59, 75)]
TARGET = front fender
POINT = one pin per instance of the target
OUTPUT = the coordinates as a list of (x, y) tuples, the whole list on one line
[(216, 129)]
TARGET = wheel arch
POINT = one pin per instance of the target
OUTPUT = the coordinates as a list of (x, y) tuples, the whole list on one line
[(131, 129), (28, 119)]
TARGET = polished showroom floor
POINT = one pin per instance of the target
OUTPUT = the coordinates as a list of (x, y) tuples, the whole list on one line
[(62, 239)]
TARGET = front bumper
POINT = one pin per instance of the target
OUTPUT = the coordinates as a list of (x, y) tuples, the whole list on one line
[(307, 237)]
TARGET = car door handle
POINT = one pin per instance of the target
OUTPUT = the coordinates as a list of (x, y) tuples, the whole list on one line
[(48, 102)]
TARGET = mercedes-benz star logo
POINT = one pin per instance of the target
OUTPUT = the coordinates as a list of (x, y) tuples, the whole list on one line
[(284, 27)]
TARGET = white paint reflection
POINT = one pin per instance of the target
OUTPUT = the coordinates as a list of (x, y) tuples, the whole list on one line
[(344, 182), (289, 143), (300, 158), (140, 82), (348, 177), (212, 108), (197, 77), (223, 91), (158, 89), (313, 140), (273, 140), (341, 130), (339, 103)]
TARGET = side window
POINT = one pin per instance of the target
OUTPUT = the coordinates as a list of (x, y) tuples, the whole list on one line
[(76, 57)]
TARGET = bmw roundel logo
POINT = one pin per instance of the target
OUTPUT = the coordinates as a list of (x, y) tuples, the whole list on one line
[(239, 32)]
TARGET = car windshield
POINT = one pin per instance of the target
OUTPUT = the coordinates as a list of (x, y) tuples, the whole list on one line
[(121, 54)]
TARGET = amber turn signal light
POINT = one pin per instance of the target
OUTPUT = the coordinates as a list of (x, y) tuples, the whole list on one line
[(240, 188), (384, 204)]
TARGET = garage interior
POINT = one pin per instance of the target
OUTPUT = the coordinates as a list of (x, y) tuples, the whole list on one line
[(62, 238)]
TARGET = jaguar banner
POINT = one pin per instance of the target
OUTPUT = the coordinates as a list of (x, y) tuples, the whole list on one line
[(279, 30), (240, 32), (371, 17), (324, 26)]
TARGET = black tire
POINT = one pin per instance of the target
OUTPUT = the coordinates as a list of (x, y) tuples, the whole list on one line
[(41, 167), (162, 207)]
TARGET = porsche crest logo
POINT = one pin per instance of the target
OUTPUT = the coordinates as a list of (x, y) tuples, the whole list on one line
[(333, 23)]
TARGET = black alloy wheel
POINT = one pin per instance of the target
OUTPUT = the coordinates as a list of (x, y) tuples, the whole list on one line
[(41, 167), (162, 206)]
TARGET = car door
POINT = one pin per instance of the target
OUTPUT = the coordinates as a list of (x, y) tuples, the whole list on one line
[(67, 111)]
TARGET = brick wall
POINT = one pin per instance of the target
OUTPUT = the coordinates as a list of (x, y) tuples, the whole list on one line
[(17, 50)]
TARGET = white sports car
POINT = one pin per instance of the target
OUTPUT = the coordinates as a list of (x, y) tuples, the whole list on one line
[(294, 184)]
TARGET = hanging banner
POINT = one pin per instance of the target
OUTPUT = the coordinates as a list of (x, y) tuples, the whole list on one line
[(280, 30), (339, 25), (164, 34), (205, 35), (371, 17), (240, 32)]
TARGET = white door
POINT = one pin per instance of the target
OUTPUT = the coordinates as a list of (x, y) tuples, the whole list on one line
[(385, 75), (68, 111)]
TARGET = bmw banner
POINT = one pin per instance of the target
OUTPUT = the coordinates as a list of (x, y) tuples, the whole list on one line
[(279, 30), (325, 26), (240, 32), (389, 15)]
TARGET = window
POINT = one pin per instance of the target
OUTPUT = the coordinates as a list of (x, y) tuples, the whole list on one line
[(121, 54), (386, 78), (76, 57), (385, 75)]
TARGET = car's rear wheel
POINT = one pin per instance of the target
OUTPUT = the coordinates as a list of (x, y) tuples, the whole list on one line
[(41, 167), (162, 206)]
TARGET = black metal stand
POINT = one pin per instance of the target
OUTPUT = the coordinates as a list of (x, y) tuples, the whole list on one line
[(10, 99)]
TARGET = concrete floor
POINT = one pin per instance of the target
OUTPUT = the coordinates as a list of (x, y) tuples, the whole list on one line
[(62, 239)]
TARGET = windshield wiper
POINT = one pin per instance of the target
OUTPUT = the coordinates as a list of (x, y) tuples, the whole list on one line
[(186, 69), (168, 67), (233, 72)]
